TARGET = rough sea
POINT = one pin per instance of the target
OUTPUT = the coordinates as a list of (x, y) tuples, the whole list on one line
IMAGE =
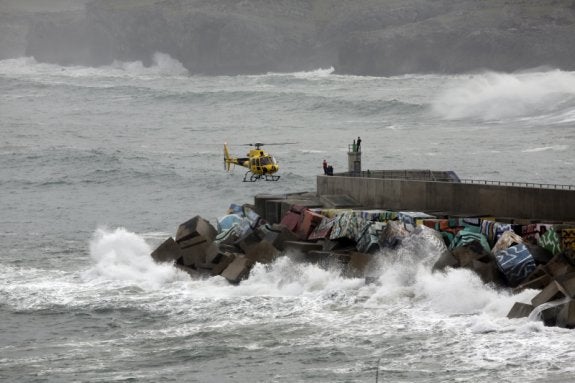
[(99, 165)]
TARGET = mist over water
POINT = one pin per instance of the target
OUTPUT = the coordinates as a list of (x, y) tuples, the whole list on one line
[(497, 96), (100, 165)]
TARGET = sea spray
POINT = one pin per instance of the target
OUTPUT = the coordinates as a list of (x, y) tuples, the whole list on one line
[(494, 96), (124, 256), (163, 65)]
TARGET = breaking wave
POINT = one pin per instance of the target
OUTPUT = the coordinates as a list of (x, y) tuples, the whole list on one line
[(402, 276), (162, 65), (494, 96), (121, 255)]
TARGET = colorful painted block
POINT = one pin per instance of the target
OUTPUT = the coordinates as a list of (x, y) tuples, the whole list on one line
[(551, 241), (323, 230), (568, 238), (516, 263), (464, 237)]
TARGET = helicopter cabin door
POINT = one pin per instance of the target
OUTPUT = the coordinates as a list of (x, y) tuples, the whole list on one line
[(255, 164)]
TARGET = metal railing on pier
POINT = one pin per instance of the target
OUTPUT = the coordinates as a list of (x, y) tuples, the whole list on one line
[(446, 176), (520, 184)]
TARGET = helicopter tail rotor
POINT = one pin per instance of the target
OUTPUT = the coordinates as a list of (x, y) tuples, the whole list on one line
[(227, 158)]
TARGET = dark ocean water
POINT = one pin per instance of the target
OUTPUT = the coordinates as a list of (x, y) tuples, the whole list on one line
[(99, 165)]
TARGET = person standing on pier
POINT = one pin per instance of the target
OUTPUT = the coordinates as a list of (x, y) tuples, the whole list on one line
[(324, 167), (358, 144)]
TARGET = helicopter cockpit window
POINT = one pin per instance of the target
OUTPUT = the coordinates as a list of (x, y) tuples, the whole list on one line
[(268, 160)]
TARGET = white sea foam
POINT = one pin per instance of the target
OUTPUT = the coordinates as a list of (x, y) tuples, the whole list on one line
[(494, 96), (320, 72), (546, 148), (121, 255), (162, 65)]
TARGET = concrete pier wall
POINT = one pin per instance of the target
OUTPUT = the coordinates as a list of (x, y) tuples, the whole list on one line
[(528, 203)]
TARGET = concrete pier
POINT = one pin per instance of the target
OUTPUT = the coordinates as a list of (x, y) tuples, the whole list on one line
[(443, 192)]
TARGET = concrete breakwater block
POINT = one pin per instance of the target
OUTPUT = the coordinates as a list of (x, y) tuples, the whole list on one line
[(558, 265), (195, 227), (284, 235), (446, 259), (566, 315), (323, 230), (260, 201), (221, 262), (487, 271), (357, 265), (195, 274), (308, 222), (566, 284), (168, 251), (536, 283), (262, 252), (549, 314), (520, 310), (338, 201), (291, 220), (303, 246), (466, 254), (507, 239), (238, 269), (549, 293), (195, 251), (516, 263), (393, 233), (348, 240)]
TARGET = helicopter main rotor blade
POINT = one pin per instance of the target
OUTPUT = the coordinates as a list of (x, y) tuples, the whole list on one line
[(273, 143)]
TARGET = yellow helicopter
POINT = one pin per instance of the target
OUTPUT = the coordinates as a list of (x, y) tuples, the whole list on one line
[(261, 165)]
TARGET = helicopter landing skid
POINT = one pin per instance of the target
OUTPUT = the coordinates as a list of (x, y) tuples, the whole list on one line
[(257, 177)]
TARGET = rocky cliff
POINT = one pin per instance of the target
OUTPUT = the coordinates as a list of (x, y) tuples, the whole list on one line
[(365, 37)]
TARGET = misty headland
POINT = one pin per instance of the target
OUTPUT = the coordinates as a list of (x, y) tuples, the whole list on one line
[(361, 37)]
